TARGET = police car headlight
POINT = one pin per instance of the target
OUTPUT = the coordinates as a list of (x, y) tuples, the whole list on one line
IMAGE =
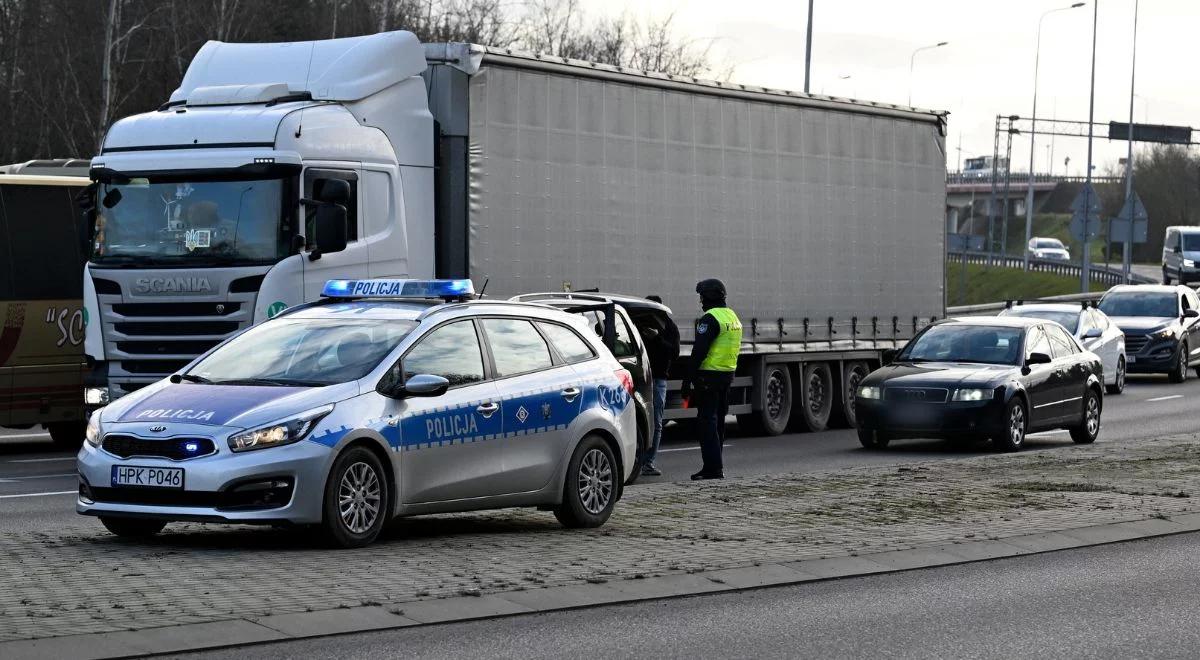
[(869, 392), (972, 394), (93, 433), (279, 433)]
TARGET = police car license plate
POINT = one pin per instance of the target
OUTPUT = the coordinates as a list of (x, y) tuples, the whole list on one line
[(149, 477)]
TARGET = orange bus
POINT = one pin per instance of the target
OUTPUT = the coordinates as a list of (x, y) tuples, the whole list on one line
[(41, 290)]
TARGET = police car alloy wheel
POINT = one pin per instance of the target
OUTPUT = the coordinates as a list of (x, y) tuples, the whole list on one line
[(133, 528), (357, 500), (591, 486)]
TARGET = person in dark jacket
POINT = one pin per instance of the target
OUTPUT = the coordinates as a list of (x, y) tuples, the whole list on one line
[(662, 343), (713, 363)]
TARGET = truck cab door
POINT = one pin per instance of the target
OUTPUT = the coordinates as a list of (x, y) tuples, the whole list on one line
[(320, 265)]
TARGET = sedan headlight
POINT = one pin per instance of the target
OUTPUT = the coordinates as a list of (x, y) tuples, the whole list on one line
[(869, 392), (279, 433), (1189, 263), (93, 433), (972, 394)]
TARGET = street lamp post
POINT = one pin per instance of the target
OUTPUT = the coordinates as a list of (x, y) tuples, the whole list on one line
[(1037, 55), (1127, 256), (1085, 270), (912, 60)]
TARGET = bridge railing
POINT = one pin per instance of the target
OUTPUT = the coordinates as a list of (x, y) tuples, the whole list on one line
[(1106, 275), (1014, 178)]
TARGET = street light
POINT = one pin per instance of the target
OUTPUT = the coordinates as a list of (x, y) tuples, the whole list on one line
[(913, 59), (1033, 129)]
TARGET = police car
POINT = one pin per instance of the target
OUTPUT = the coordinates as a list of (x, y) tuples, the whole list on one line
[(384, 398)]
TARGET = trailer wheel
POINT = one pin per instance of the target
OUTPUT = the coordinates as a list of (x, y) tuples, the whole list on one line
[(852, 374), (776, 404), (816, 395)]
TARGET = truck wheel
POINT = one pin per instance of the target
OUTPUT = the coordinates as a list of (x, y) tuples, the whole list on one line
[(590, 491), (776, 400), (816, 396), (852, 374), (132, 528), (356, 505), (67, 435)]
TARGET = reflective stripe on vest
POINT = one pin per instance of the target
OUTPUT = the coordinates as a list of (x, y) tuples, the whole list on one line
[(723, 353)]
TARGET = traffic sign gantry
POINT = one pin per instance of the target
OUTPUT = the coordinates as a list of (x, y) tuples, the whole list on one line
[(1085, 214), (1119, 229)]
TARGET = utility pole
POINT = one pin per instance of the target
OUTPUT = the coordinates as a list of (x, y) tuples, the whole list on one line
[(1127, 256), (808, 49), (1085, 271)]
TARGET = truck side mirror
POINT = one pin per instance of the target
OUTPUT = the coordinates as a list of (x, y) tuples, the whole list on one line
[(329, 229)]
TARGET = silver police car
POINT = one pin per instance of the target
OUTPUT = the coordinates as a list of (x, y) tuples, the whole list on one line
[(385, 398)]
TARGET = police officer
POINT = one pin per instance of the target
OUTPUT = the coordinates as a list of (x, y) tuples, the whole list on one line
[(713, 361)]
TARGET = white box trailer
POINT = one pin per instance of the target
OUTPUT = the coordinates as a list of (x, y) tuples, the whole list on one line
[(822, 216)]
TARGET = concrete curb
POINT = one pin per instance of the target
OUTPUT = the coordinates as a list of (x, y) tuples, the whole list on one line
[(282, 627)]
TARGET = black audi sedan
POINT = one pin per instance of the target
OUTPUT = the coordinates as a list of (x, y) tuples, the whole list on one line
[(1161, 325), (987, 377)]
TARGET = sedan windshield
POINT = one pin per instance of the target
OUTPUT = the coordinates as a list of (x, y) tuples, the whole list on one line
[(1048, 244), (302, 352), (187, 223), (1136, 303), (1068, 320), (965, 343)]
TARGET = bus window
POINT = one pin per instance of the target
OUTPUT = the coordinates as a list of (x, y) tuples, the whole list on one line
[(44, 240)]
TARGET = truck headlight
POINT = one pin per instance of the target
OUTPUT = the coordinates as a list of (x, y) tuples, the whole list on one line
[(972, 394), (869, 392), (93, 433), (279, 433), (1189, 263), (95, 396)]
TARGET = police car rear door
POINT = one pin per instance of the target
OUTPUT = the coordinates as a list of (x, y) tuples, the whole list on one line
[(451, 445), (542, 395)]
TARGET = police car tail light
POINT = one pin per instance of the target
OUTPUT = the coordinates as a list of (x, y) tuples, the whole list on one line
[(280, 433), (626, 380), (389, 288)]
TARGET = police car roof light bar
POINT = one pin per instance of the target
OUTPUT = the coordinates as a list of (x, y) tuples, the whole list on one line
[(448, 290)]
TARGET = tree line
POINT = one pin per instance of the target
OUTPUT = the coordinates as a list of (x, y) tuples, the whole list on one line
[(72, 67), (1167, 179)]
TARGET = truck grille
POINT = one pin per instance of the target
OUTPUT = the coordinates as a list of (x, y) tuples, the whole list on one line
[(177, 309), (176, 449), (1135, 343), (176, 328), (194, 347)]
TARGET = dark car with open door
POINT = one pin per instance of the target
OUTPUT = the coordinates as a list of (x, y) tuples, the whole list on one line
[(990, 377)]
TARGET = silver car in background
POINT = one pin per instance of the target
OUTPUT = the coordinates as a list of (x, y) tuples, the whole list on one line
[(1047, 248), (1091, 327)]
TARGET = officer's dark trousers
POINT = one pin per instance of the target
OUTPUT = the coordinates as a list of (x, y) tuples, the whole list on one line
[(712, 405)]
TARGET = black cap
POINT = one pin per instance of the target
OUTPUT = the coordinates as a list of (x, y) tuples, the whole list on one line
[(711, 289)]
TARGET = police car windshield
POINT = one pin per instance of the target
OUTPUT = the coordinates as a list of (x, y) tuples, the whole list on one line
[(303, 352), (228, 222), (965, 343)]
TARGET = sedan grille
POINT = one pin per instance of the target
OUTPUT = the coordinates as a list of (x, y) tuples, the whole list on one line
[(1135, 343), (916, 394), (175, 449)]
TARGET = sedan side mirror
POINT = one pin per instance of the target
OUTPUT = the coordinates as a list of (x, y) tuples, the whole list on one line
[(1093, 333), (1190, 314), (889, 356), (1037, 358)]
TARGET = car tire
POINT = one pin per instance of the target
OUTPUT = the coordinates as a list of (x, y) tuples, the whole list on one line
[(1179, 373), (816, 396), (1166, 278), (1119, 385), (1089, 427), (590, 491), (132, 528), (870, 439), (1016, 424), (357, 500), (67, 435)]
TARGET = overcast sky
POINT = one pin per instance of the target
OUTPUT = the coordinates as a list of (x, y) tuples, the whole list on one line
[(985, 70)]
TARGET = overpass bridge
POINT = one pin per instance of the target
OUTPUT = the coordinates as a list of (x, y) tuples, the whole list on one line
[(969, 196)]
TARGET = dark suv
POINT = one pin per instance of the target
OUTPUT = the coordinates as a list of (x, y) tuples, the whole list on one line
[(1160, 322), (626, 314)]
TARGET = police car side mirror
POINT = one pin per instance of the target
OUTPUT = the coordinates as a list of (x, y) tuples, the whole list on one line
[(425, 385)]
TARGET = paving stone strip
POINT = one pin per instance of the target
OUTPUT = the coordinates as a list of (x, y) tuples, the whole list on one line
[(83, 580)]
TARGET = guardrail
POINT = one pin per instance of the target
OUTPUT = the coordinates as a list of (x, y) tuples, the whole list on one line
[(1108, 276)]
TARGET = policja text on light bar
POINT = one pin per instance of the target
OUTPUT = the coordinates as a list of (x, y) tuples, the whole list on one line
[(388, 288)]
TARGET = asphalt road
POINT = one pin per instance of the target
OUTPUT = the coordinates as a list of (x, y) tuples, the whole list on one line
[(37, 483), (1129, 600)]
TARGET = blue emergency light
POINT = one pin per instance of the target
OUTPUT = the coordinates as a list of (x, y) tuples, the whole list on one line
[(445, 289)]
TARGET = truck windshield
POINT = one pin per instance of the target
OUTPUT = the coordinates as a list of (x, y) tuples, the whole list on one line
[(234, 222), (965, 343), (302, 352)]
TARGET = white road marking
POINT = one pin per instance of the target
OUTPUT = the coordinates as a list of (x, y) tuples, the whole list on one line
[(26, 436), (60, 492), (41, 476), (697, 448), (1165, 398), (42, 460)]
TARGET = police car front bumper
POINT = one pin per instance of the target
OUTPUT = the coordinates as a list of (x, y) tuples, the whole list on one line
[(273, 485)]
